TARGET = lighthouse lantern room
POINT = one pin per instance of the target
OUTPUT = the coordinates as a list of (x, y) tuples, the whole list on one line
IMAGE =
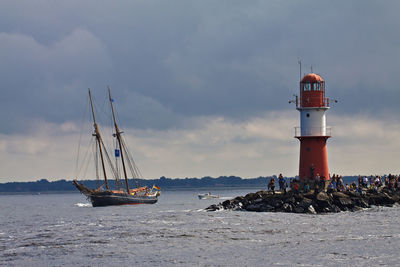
[(313, 132)]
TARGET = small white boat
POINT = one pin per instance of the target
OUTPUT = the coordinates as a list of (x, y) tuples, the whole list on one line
[(207, 196)]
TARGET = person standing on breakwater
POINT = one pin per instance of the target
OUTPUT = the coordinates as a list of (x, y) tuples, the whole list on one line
[(317, 177), (271, 185), (312, 169), (284, 186), (339, 183), (333, 182), (360, 180), (330, 188), (322, 183), (386, 180), (306, 188), (371, 180), (365, 182), (280, 181), (296, 187), (360, 189), (353, 186), (392, 186)]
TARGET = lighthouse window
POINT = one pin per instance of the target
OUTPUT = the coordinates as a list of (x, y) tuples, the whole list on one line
[(308, 115), (306, 86)]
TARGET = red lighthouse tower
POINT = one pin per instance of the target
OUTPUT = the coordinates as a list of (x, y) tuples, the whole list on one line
[(313, 132)]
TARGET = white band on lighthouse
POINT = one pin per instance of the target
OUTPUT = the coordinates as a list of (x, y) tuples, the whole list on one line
[(313, 122)]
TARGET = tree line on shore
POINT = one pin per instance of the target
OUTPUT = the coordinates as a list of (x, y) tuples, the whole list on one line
[(44, 185)]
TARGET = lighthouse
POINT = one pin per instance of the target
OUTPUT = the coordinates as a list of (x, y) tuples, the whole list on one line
[(313, 133)]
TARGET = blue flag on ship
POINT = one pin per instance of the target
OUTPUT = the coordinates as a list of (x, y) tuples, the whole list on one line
[(116, 153)]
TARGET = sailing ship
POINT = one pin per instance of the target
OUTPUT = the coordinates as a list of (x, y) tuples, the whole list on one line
[(123, 195)]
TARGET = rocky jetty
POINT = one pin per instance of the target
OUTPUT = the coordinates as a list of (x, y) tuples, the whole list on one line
[(310, 202)]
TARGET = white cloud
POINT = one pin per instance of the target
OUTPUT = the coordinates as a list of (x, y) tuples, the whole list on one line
[(210, 146), (47, 152), (365, 145)]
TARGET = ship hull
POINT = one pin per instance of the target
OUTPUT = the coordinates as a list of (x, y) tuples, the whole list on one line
[(102, 199), (109, 198)]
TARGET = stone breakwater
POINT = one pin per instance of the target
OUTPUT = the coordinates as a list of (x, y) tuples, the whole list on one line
[(312, 203)]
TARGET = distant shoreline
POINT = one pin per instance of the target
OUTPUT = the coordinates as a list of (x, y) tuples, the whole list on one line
[(165, 189), (44, 186)]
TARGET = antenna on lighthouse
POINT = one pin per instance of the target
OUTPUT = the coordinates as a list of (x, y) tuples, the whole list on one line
[(299, 61), (311, 69)]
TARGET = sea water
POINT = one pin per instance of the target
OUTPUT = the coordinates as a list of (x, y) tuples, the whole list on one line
[(64, 230)]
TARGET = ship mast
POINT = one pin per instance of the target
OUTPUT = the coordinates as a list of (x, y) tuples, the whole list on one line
[(99, 141), (118, 135)]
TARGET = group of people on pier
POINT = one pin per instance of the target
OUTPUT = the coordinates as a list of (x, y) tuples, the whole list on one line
[(335, 183), (376, 183)]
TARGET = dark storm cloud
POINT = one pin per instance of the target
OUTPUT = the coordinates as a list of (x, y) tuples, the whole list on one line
[(168, 61), (41, 81)]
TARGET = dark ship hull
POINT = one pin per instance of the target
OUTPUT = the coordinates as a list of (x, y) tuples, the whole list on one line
[(110, 198), (105, 198)]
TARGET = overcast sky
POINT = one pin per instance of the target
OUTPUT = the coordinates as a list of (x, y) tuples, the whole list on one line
[(201, 87)]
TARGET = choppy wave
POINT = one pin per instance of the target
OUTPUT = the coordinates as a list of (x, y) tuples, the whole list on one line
[(54, 230), (83, 205)]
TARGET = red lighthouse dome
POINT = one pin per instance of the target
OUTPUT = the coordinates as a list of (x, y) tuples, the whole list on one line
[(312, 78), (312, 91)]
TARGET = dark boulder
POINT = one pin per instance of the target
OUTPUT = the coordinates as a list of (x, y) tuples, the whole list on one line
[(287, 207), (309, 195), (380, 199), (242, 201), (352, 194), (254, 207), (212, 208), (289, 199), (299, 209), (361, 202), (275, 202), (344, 203), (337, 195), (323, 203), (304, 203), (263, 194), (251, 197), (323, 197)]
